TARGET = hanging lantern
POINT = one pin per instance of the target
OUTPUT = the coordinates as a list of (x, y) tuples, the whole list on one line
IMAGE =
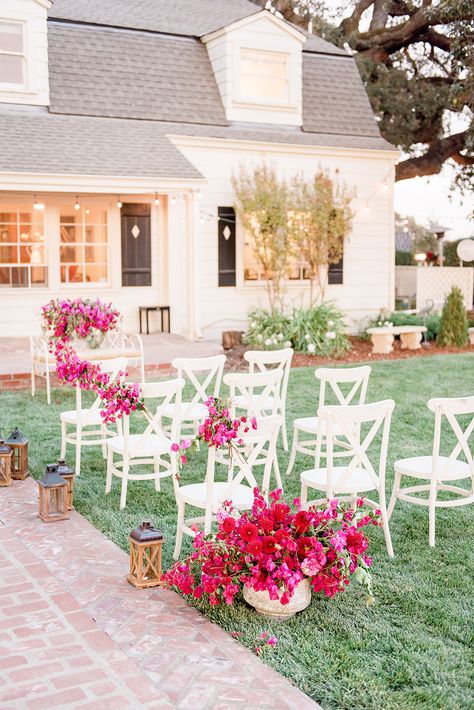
[(68, 475), (52, 495), (5, 464), (145, 556), (19, 447)]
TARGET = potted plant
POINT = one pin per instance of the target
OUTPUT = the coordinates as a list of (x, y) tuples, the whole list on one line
[(277, 555)]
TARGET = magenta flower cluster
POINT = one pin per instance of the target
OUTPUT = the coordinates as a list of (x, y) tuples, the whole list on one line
[(274, 547), (65, 318)]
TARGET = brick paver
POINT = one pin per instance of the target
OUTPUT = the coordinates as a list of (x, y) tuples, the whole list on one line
[(75, 634)]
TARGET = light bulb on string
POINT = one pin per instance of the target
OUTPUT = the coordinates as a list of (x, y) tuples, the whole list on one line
[(77, 206), (157, 199), (119, 203), (38, 205), (201, 219), (199, 194), (173, 199), (367, 207)]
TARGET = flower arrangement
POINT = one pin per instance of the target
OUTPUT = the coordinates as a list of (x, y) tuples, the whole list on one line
[(275, 547), (81, 317), (219, 429)]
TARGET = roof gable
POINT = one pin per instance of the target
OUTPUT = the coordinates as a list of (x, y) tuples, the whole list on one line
[(259, 17)]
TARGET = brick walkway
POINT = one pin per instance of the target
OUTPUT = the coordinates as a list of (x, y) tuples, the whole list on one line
[(74, 633)]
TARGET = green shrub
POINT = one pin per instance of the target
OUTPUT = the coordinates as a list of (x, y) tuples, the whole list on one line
[(432, 322), (404, 258), (453, 328), (316, 331)]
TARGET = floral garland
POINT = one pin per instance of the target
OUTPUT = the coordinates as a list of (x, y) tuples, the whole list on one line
[(80, 317), (273, 548)]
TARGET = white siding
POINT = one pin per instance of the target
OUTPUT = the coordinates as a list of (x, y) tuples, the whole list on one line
[(33, 15)]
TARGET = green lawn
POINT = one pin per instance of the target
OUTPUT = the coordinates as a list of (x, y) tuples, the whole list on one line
[(413, 647)]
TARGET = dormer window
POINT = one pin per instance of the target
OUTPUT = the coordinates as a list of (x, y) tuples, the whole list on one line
[(12, 57), (264, 77)]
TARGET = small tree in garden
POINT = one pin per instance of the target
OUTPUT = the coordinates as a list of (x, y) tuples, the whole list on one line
[(453, 327), (262, 203), (320, 222)]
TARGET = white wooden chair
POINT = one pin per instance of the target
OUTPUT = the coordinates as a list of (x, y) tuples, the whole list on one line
[(354, 382), (210, 494), (210, 370), (255, 393), (116, 344), (147, 448), (85, 426), (440, 472), (359, 475), (264, 360)]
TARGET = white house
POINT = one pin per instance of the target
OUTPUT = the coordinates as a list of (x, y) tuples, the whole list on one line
[(121, 124)]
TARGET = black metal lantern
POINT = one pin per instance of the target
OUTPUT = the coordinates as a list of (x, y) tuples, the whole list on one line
[(52, 495), (145, 556), (19, 446), (68, 475), (5, 464)]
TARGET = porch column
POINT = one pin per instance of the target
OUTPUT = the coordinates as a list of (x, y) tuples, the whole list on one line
[(192, 235), (175, 261)]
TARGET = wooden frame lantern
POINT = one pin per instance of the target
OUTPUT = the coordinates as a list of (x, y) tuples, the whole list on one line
[(145, 556), (5, 464), (19, 446), (68, 475), (52, 495)]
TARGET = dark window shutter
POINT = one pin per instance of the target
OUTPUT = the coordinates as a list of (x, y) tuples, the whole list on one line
[(226, 242), (336, 272), (136, 245)]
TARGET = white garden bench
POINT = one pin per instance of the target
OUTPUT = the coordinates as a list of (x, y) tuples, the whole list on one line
[(382, 337), (115, 344)]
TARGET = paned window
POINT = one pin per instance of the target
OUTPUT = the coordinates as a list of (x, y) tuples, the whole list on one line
[(12, 57), (22, 248), (264, 77), (84, 249)]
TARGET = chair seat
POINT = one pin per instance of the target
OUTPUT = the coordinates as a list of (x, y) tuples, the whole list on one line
[(359, 480), (420, 467), (188, 412), (242, 403), (196, 494), (310, 425), (89, 417), (151, 445)]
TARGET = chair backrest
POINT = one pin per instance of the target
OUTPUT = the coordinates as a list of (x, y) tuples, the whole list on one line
[(254, 391), (264, 360), (347, 422), (450, 408), (115, 368), (338, 379), (157, 396), (210, 370), (262, 452)]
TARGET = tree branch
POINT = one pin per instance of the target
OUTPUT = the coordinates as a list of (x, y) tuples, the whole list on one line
[(432, 161)]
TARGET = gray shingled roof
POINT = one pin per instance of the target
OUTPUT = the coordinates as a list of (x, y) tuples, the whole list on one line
[(334, 97), (129, 74), (35, 141), (194, 18)]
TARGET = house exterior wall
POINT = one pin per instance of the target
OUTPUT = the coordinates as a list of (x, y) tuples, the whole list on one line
[(369, 252), (32, 14)]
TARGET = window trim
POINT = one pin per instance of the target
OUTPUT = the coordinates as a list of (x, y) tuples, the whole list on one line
[(29, 288), (83, 243), (10, 86), (242, 100)]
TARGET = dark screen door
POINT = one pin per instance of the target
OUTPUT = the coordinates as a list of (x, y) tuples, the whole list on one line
[(136, 245)]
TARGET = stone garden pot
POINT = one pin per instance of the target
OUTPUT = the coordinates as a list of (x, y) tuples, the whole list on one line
[(272, 608)]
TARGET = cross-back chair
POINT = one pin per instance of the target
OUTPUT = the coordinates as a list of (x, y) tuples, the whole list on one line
[(84, 426), (210, 494), (440, 471), (367, 459), (147, 448), (348, 386)]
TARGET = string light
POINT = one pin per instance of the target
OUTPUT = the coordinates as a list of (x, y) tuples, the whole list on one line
[(38, 205), (367, 207), (119, 203), (199, 194), (77, 206), (157, 199), (173, 199)]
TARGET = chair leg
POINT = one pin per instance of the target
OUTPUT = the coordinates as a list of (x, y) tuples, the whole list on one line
[(179, 531), (78, 450), (63, 440), (394, 497), (123, 490), (284, 434), (104, 440), (432, 514), (108, 479), (156, 469), (304, 494), (294, 448), (208, 521), (386, 529), (48, 386), (276, 468), (33, 381)]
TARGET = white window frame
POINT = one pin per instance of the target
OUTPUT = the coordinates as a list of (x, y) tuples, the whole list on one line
[(70, 285), (240, 100), (7, 86), (28, 266)]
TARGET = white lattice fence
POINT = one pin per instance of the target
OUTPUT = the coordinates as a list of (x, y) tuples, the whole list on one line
[(436, 282)]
